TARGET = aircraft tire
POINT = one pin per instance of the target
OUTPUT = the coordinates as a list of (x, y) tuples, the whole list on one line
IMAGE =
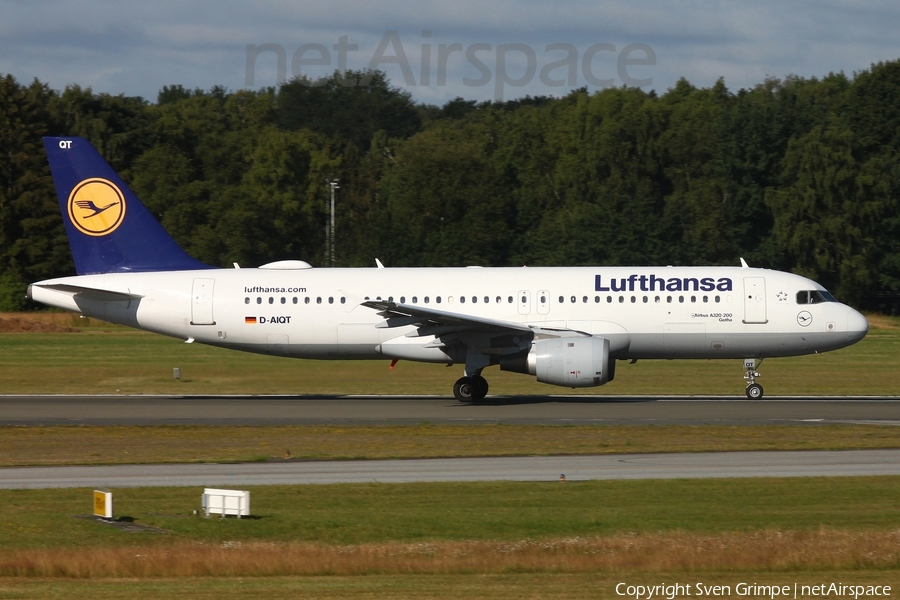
[(754, 391), (481, 388), (464, 389)]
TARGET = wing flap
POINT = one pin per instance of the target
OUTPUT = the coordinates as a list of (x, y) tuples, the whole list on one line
[(432, 322)]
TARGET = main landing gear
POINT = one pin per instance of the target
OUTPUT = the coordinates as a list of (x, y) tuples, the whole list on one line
[(754, 390), (470, 389)]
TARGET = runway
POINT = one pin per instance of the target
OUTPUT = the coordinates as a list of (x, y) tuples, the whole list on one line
[(378, 410), (527, 468)]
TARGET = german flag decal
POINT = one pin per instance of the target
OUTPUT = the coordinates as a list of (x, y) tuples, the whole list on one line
[(250, 320)]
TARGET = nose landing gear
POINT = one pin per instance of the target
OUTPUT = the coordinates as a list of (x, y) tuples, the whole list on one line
[(470, 389), (754, 390)]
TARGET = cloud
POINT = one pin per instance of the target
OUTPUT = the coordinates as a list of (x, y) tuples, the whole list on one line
[(136, 48)]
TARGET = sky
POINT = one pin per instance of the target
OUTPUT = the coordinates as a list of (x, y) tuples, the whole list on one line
[(475, 49)]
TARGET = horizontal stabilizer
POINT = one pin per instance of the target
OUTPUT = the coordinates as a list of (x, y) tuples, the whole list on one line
[(88, 292)]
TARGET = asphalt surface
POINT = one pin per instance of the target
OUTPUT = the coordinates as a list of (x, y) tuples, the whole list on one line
[(360, 410), (348, 410), (529, 468)]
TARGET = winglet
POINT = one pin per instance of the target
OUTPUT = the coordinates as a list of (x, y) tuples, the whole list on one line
[(109, 230), (744, 263), (378, 264)]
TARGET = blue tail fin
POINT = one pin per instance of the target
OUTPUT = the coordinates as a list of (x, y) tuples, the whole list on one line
[(109, 230)]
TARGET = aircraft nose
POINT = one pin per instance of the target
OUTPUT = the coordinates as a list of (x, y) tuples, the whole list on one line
[(857, 326)]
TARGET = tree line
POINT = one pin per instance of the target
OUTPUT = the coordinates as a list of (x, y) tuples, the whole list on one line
[(796, 174)]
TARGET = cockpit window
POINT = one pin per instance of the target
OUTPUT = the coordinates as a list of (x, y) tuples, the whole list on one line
[(814, 297)]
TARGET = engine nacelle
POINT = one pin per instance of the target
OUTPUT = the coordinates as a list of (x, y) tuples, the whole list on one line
[(569, 362)]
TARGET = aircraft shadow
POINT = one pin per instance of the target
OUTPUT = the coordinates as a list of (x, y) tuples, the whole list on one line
[(523, 400), (489, 401)]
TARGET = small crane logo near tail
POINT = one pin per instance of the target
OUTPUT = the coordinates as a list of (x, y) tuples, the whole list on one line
[(96, 207), (89, 205)]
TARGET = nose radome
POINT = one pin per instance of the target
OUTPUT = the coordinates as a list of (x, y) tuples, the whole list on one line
[(857, 326)]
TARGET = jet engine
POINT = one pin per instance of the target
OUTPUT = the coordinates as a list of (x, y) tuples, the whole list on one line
[(569, 361)]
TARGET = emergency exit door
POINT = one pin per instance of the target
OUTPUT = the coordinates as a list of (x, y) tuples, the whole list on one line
[(755, 300), (202, 302)]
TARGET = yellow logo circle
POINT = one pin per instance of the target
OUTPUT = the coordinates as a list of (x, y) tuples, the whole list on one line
[(96, 207)]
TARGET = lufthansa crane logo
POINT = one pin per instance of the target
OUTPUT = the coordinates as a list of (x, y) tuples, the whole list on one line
[(96, 207)]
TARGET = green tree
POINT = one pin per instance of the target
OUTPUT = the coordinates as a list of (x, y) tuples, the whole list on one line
[(819, 215), (353, 105)]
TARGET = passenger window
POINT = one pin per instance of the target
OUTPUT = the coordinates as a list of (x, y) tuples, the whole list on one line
[(646, 299), (462, 299), (499, 299), (343, 300), (693, 298), (596, 299), (271, 300), (247, 300), (474, 299), (573, 299), (584, 299), (402, 299), (509, 300), (487, 300), (621, 299), (258, 300), (669, 299), (415, 300), (656, 299), (718, 298), (609, 299), (319, 300), (306, 300), (295, 299), (390, 299), (283, 300), (681, 298), (562, 300), (705, 299), (426, 299), (331, 299), (438, 299), (633, 299)]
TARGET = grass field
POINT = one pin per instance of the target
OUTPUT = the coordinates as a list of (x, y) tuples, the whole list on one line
[(348, 514), (84, 445), (571, 540), (506, 586), (108, 360)]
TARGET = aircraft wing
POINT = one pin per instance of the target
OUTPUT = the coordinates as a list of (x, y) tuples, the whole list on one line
[(438, 322)]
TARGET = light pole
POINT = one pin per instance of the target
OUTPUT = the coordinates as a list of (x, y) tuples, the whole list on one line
[(333, 184)]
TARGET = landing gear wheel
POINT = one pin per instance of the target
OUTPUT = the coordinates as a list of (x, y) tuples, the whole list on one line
[(464, 389), (481, 388), (754, 390), (470, 389)]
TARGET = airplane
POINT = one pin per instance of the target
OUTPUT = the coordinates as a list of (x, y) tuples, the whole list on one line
[(567, 326)]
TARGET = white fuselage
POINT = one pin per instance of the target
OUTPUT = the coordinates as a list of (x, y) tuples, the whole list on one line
[(645, 312)]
